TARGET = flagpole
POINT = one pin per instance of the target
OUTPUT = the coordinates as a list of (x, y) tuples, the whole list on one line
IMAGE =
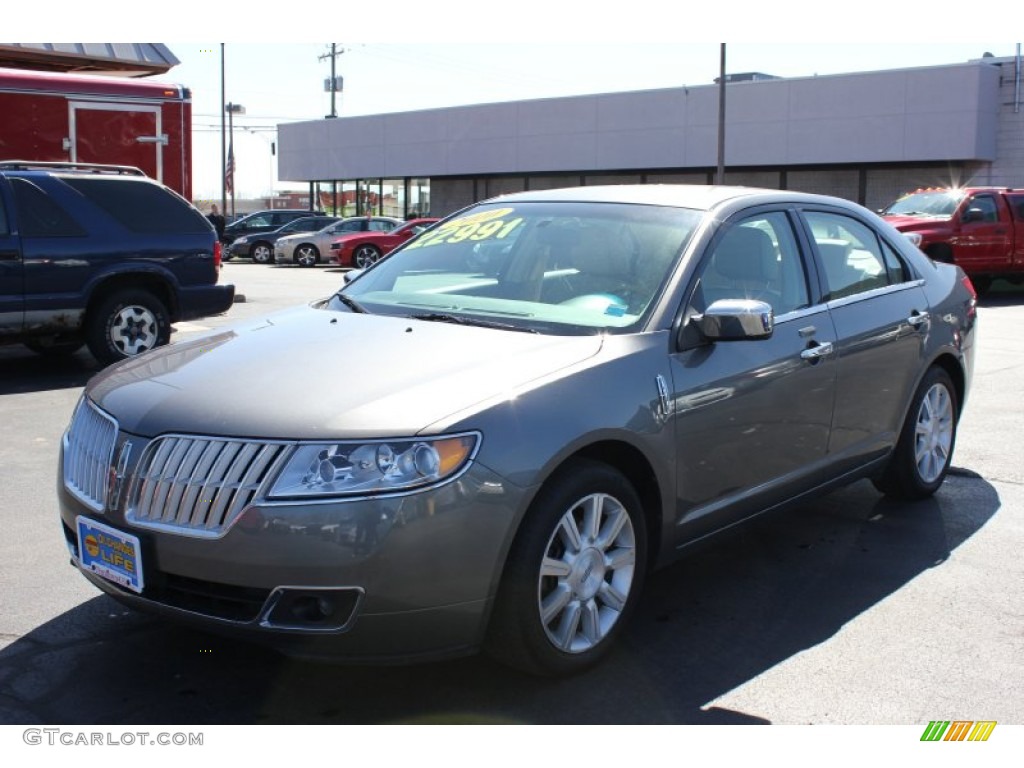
[(223, 141)]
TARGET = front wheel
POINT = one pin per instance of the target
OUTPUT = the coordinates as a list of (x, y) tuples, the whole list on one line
[(573, 575), (125, 324), (263, 253), (365, 256), (922, 456), (307, 255)]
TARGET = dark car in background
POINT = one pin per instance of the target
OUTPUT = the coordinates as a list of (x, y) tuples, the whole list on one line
[(101, 255), (264, 221), (260, 245), (537, 401)]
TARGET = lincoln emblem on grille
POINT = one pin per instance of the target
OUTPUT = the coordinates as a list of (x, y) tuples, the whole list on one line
[(118, 472)]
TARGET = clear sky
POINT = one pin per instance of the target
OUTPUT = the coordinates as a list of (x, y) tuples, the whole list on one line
[(401, 55), (285, 82)]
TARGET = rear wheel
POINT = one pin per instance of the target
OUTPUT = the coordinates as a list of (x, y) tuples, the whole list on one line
[(125, 324), (923, 454), (307, 255), (573, 575)]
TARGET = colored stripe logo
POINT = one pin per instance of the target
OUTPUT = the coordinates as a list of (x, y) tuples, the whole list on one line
[(958, 730)]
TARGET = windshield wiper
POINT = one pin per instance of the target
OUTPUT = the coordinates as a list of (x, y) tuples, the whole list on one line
[(352, 304), (444, 317)]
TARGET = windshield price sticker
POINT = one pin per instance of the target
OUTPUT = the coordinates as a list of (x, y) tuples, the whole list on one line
[(487, 225), (110, 553)]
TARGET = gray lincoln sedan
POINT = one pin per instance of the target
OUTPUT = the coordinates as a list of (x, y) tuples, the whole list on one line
[(535, 403)]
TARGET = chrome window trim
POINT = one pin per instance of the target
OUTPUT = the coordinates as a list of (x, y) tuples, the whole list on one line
[(898, 287)]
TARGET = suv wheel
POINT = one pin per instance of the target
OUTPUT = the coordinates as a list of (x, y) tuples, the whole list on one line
[(125, 324)]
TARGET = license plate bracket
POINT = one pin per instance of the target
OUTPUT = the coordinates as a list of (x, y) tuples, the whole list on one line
[(109, 553)]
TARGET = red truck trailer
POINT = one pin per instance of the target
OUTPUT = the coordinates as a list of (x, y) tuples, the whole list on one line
[(94, 119), (981, 229)]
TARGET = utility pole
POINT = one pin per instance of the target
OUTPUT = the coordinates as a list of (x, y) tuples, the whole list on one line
[(333, 88), (333, 85)]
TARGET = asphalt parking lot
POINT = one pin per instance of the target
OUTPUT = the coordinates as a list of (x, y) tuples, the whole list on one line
[(849, 610)]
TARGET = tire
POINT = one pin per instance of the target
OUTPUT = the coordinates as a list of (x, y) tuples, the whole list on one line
[(55, 346), (573, 575), (262, 253), (365, 256), (922, 456), (307, 255), (125, 324)]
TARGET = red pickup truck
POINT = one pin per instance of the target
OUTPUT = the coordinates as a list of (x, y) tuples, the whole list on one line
[(981, 229)]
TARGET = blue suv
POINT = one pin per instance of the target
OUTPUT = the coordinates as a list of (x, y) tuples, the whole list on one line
[(101, 255)]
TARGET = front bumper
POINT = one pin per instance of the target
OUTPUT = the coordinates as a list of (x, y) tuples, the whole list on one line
[(411, 576)]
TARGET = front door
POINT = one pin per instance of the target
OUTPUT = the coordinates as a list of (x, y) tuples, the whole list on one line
[(752, 418)]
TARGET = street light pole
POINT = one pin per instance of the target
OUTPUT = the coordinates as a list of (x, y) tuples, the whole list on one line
[(720, 175)]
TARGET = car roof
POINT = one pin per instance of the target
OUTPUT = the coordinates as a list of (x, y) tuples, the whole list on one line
[(695, 196)]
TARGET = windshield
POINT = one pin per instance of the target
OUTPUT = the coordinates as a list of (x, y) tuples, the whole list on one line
[(560, 268), (938, 203)]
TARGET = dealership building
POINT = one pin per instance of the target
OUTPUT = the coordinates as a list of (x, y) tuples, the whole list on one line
[(867, 137)]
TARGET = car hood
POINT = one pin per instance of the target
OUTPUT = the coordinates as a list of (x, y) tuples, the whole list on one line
[(308, 373), (907, 223)]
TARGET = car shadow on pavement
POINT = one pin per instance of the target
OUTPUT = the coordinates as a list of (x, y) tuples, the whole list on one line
[(728, 612), (25, 371)]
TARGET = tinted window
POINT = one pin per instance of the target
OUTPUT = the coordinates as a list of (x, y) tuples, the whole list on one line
[(1017, 206), (39, 215), (987, 206), (850, 252), (141, 206), (4, 230)]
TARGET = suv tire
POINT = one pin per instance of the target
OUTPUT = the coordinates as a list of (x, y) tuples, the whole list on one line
[(127, 323)]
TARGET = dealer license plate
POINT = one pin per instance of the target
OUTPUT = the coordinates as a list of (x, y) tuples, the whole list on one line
[(110, 553)]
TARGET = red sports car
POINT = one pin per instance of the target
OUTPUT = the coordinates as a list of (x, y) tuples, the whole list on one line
[(363, 249)]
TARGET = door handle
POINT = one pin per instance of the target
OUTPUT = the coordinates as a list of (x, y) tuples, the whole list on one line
[(9, 255), (918, 319), (815, 352)]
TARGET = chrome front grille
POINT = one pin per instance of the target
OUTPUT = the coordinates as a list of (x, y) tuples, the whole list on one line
[(198, 486), (88, 452)]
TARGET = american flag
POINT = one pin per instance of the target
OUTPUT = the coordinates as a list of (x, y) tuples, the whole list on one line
[(229, 170)]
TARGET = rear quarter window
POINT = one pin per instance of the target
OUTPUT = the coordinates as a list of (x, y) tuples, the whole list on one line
[(141, 206)]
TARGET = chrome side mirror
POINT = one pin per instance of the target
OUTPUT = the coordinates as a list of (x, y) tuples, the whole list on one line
[(737, 320)]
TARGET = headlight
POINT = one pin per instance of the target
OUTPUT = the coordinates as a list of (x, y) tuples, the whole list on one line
[(371, 466), (914, 237)]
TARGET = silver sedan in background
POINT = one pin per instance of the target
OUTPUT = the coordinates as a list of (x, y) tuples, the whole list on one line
[(311, 248), (535, 403)]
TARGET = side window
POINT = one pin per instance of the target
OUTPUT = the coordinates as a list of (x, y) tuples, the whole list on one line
[(757, 258), (898, 272), (4, 228), (986, 204), (851, 254), (379, 225), (39, 215), (140, 206), (356, 225), (1017, 206)]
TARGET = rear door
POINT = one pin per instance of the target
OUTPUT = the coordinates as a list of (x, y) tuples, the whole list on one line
[(881, 317), (12, 273), (122, 134)]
